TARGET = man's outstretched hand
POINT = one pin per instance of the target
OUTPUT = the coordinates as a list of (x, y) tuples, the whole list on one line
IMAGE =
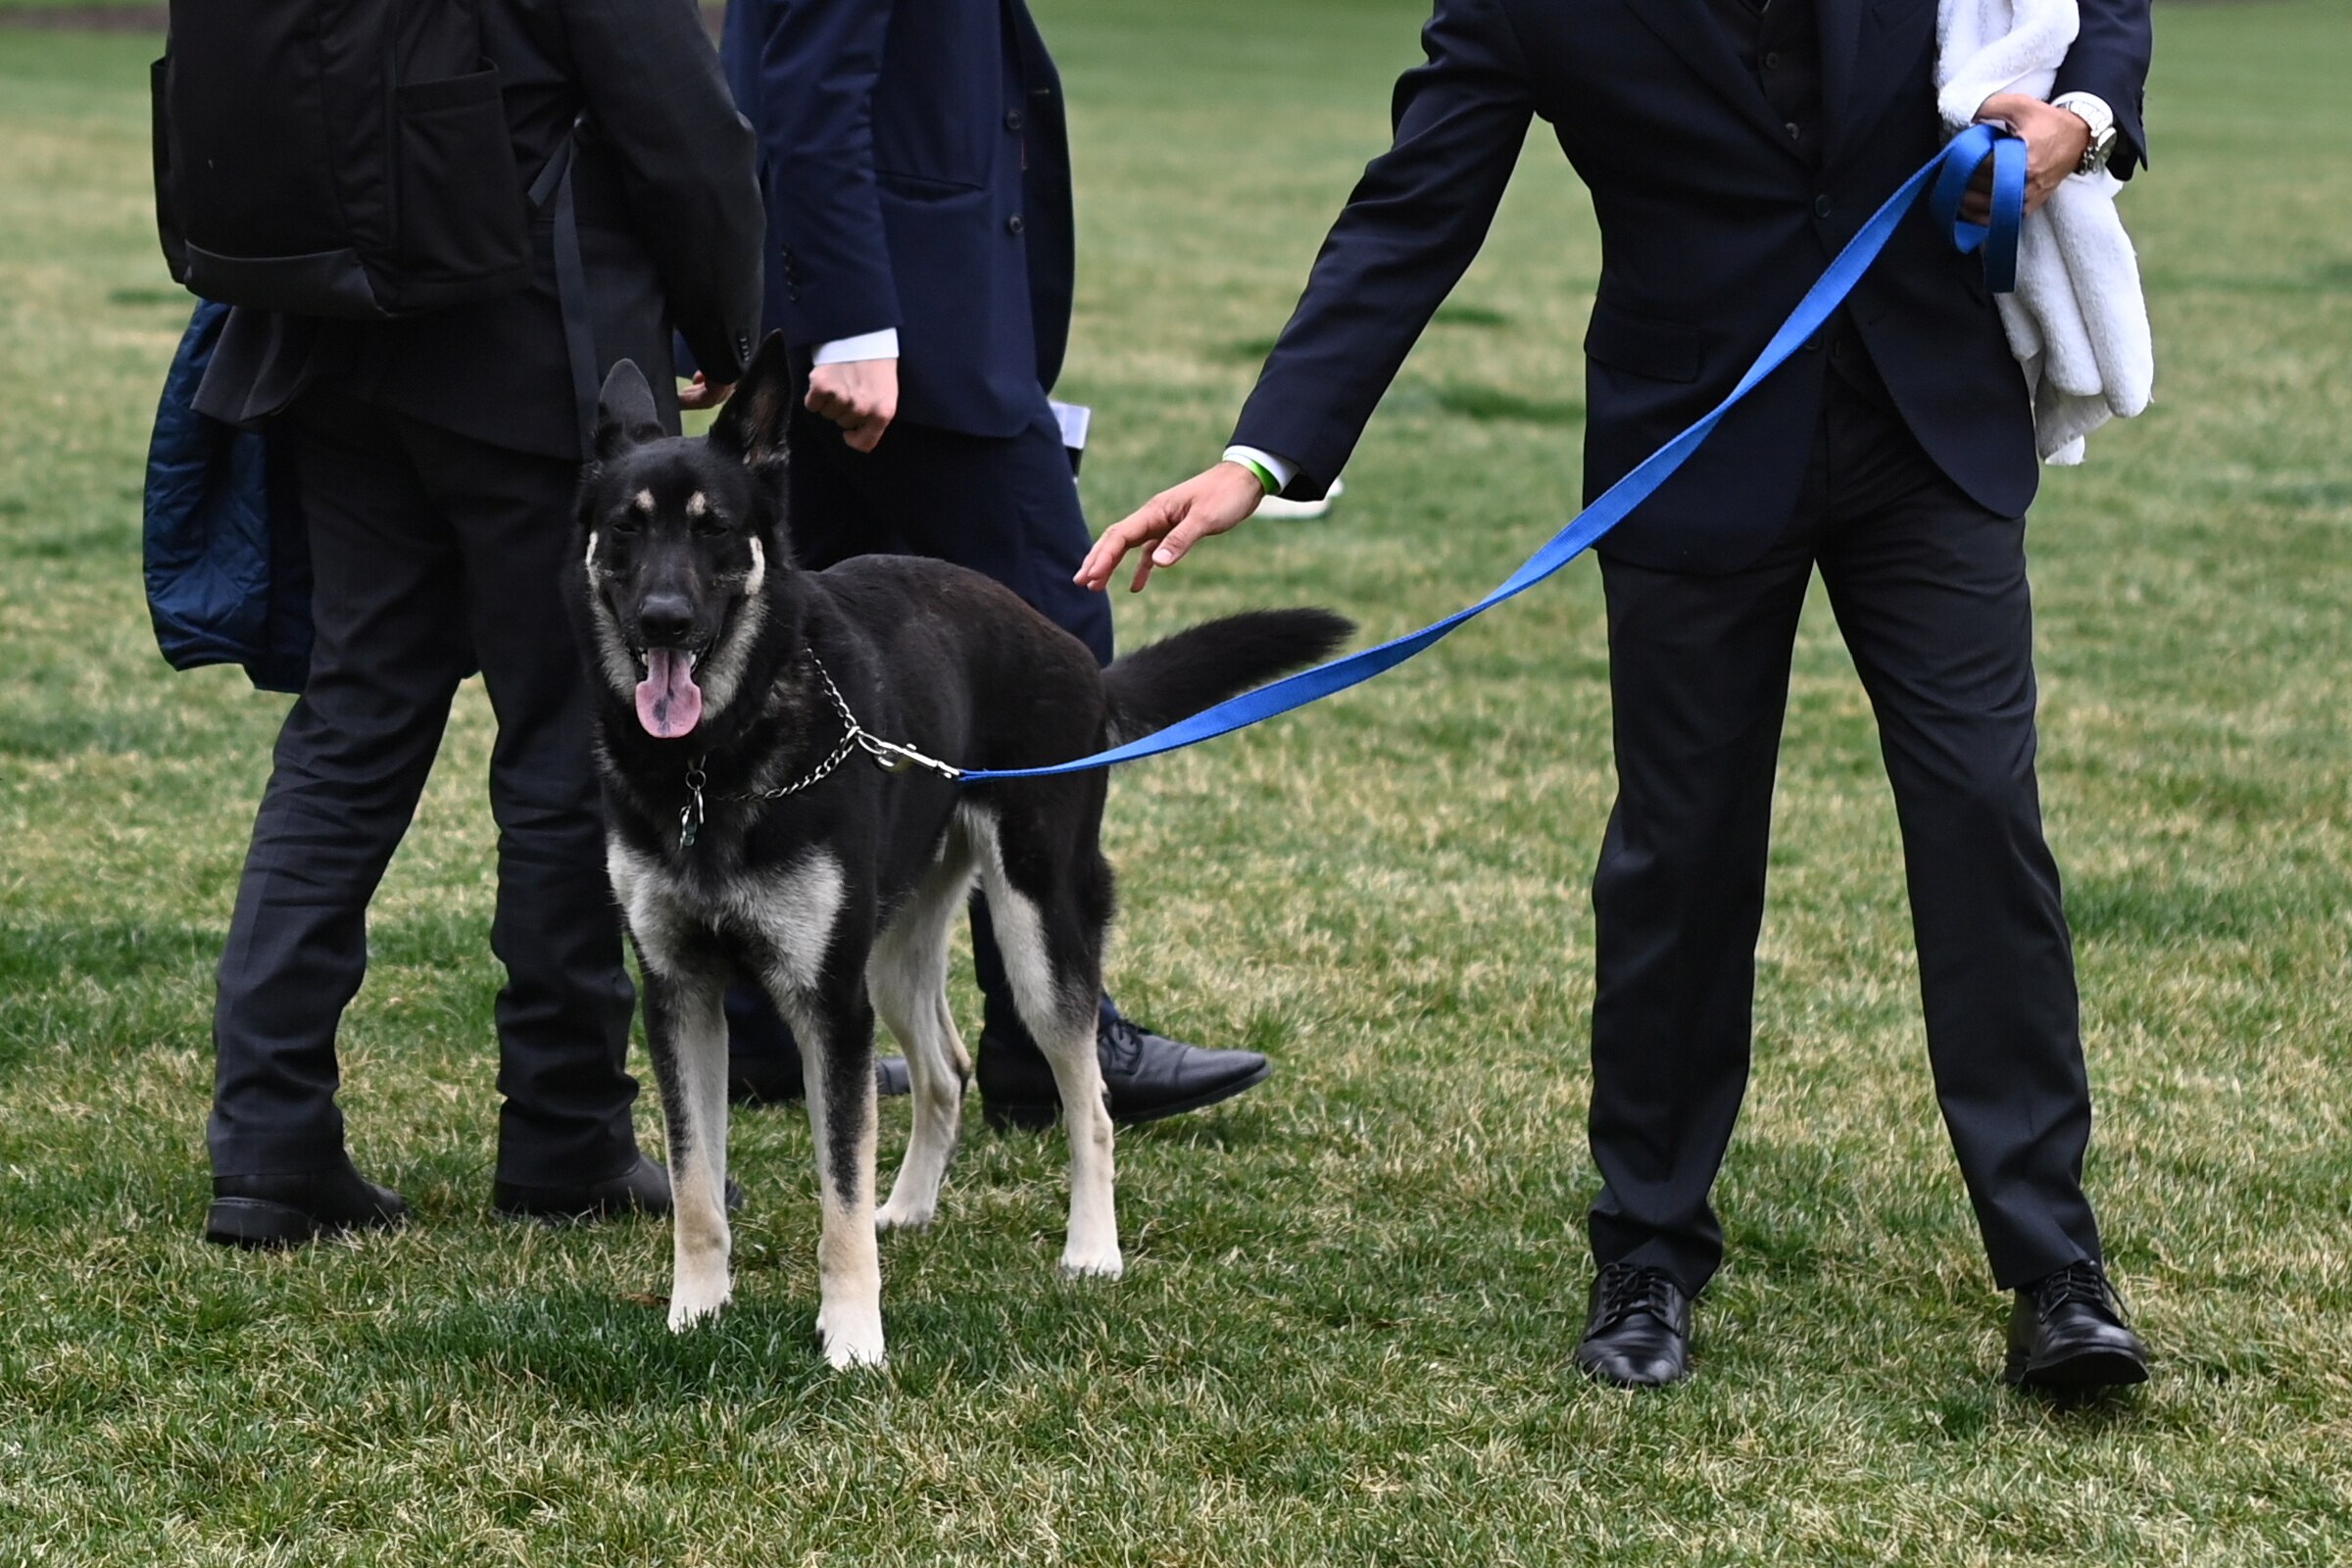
[(1171, 523), (2055, 142)]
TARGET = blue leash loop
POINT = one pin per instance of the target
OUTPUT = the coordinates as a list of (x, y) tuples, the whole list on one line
[(1944, 179)]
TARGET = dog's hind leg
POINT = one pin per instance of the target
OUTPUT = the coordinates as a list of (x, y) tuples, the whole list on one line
[(1053, 951), (686, 1029), (836, 1032), (907, 978)]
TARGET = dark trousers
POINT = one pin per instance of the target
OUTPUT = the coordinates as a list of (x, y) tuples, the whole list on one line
[(1931, 596), (434, 555), (1006, 508)]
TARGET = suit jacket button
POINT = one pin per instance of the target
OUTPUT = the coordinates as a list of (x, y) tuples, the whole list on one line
[(1012, 120), (1014, 225), (1821, 207), (743, 344)]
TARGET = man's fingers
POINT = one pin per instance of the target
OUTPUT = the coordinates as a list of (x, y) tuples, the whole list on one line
[(863, 425), (1188, 525), (1179, 541), (1133, 531)]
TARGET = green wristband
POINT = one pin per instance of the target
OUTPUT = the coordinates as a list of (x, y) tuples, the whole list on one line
[(1266, 476)]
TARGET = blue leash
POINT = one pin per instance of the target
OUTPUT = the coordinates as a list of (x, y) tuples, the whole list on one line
[(1945, 178)]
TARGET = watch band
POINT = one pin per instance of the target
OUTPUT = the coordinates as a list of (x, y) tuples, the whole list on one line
[(2093, 111)]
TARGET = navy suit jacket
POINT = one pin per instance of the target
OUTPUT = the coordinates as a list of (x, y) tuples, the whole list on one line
[(917, 173), (1713, 225)]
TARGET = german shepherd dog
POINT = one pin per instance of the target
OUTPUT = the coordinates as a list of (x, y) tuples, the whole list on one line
[(741, 707)]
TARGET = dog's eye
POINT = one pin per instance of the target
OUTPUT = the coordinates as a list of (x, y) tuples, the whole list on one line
[(626, 520), (708, 524)]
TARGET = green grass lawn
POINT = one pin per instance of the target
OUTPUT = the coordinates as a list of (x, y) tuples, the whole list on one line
[(1345, 1331)]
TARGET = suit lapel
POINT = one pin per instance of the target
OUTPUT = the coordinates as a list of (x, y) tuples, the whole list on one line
[(1842, 23), (1872, 52), (1691, 30)]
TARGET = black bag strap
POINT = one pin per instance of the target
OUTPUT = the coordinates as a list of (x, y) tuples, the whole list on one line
[(572, 303)]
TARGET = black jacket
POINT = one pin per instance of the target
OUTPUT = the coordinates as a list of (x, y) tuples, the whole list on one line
[(669, 215), (919, 178), (1713, 225)]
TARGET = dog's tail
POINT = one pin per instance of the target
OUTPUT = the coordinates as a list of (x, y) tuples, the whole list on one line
[(1202, 665)]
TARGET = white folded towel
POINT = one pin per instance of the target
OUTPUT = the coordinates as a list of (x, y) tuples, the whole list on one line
[(2078, 320)]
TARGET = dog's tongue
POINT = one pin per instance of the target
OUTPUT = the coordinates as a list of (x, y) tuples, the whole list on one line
[(668, 702)]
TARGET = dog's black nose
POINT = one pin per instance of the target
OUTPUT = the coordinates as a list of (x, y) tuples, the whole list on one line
[(665, 618)]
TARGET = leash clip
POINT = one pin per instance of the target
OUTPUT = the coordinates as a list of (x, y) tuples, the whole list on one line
[(892, 757), (689, 815)]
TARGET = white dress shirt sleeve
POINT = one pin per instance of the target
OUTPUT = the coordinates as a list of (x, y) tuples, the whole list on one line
[(882, 345), (1283, 470)]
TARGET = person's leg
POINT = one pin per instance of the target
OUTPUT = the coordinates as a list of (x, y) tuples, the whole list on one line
[(563, 1013), (1698, 679), (1931, 593), (1007, 509), (351, 761)]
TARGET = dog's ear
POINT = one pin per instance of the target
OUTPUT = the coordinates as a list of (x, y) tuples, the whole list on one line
[(750, 428), (625, 412)]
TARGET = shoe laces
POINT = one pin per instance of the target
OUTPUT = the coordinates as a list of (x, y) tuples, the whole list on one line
[(1121, 1044), (2079, 1283), (1627, 1289)]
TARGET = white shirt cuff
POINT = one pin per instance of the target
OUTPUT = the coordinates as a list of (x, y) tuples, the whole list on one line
[(2093, 109), (1283, 470), (882, 345)]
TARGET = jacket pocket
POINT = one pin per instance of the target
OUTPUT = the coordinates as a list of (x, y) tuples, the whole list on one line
[(461, 203), (1646, 346), (922, 187)]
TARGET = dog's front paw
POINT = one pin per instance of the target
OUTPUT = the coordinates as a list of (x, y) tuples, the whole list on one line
[(1101, 1262), (905, 1216), (692, 1302), (851, 1339)]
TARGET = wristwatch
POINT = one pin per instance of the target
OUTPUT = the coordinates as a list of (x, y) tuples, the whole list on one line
[(2092, 110)]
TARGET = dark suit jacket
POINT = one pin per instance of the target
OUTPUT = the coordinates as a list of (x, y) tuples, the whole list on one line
[(668, 202), (1712, 225), (919, 178)]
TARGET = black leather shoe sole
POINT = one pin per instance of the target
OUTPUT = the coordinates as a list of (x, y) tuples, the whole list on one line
[(1038, 1119), (257, 1223), (2086, 1371)]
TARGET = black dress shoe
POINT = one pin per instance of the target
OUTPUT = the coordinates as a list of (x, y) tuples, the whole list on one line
[(1146, 1076), (776, 1076), (1637, 1329), (290, 1208), (2067, 1334), (642, 1188)]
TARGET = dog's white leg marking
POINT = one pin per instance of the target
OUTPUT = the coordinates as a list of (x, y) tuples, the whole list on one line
[(687, 1026), (908, 979), (1063, 1026), (849, 1263), (698, 1152), (798, 911)]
